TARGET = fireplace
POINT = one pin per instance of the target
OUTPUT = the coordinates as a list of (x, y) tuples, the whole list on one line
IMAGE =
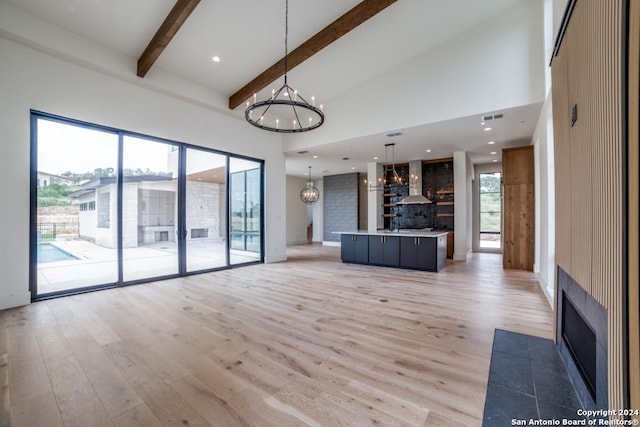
[(582, 341)]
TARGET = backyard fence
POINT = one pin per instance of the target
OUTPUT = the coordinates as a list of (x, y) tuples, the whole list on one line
[(51, 230)]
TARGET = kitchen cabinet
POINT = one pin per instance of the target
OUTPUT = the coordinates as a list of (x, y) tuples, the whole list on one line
[(384, 250), (354, 248), (423, 253)]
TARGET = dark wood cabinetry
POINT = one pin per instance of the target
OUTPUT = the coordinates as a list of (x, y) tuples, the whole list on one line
[(423, 253), (354, 248), (418, 251), (384, 250)]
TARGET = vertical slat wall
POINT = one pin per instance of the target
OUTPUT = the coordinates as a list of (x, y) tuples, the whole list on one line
[(562, 157), (579, 70), (634, 203), (605, 22), (592, 47)]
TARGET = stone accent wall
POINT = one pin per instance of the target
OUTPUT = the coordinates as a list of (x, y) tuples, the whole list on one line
[(340, 205)]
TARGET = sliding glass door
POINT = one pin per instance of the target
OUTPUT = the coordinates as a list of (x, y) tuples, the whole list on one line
[(246, 211), (111, 208), (149, 209), (74, 239), (205, 206)]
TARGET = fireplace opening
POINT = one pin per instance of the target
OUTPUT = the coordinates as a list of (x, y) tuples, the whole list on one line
[(581, 342)]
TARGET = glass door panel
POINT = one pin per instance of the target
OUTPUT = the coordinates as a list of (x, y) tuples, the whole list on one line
[(149, 209), (490, 211), (76, 232), (205, 207), (245, 211)]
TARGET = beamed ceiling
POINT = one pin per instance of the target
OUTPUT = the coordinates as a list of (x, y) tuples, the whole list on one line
[(334, 46)]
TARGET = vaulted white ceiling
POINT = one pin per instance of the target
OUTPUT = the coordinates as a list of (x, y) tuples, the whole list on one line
[(248, 36)]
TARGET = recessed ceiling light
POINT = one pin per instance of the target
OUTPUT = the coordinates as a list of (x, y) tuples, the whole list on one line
[(315, 157), (375, 158), (493, 152), (491, 142), (481, 123), (428, 150), (216, 58), (353, 168), (487, 129), (495, 160)]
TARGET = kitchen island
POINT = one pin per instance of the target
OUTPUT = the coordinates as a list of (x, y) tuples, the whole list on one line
[(414, 249)]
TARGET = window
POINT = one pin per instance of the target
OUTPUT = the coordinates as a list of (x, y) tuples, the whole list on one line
[(490, 210), (134, 208)]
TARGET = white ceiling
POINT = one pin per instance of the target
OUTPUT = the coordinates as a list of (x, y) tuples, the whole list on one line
[(248, 36)]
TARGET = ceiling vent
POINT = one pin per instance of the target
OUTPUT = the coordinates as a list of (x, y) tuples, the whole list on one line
[(492, 117), (394, 134), (303, 152)]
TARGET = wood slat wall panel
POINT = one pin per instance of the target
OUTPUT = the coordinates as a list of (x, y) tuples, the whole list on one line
[(592, 46), (579, 74), (562, 158), (634, 204)]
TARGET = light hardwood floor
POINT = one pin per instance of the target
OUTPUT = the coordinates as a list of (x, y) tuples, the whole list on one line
[(310, 341)]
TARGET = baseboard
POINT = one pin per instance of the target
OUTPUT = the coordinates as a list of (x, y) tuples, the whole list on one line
[(15, 300), (297, 242), (457, 256), (545, 290), (275, 258), (328, 243)]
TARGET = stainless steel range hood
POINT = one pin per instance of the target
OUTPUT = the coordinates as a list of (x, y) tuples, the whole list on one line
[(415, 196)]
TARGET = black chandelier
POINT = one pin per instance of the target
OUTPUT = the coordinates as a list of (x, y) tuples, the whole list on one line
[(286, 111)]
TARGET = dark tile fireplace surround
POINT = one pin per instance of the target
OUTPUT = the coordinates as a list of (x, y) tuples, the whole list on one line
[(583, 320), (531, 378)]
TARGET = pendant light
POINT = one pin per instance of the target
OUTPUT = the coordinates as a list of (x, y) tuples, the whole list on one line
[(309, 194), (383, 184), (286, 111)]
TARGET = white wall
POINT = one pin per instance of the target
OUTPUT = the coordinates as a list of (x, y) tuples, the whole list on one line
[(544, 262), (296, 211), (463, 225), (497, 64), (79, 87)]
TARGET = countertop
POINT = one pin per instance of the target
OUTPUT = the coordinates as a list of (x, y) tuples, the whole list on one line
[(405, 232)]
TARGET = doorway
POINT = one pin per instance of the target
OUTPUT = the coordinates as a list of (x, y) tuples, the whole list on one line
[(490, 211)]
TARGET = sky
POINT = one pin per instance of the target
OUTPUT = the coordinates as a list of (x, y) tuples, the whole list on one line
[(70, 148), (63, 147)]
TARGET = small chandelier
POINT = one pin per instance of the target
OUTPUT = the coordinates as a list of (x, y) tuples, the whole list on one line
[(286, 111), (309, 194)]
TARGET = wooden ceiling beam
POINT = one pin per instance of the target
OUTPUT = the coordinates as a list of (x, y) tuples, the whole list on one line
[(332, 32), (172, 23)]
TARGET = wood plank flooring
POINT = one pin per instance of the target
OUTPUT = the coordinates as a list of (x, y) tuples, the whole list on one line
[(307, 342)]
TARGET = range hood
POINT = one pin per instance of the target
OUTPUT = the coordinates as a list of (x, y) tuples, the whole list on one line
[(415, 196)]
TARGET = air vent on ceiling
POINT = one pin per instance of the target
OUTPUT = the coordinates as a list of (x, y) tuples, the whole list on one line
[(392, 134), (345, 158), (492, 117), (303, 152)]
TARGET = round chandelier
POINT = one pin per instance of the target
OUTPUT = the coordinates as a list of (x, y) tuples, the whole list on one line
[(286, 111), (309, 194)]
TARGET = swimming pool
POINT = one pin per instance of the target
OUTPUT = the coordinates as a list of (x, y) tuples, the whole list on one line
[(49, 253)]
